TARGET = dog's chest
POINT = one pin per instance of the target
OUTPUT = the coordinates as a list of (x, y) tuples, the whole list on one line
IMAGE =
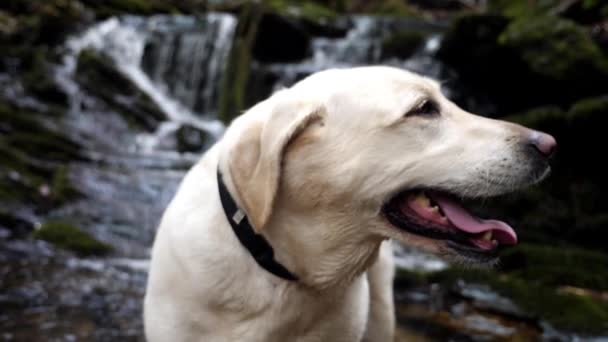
[(304, 317)]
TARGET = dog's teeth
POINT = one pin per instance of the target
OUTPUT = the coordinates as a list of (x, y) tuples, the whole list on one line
[(487, 236), (423, 200), (495, 243)]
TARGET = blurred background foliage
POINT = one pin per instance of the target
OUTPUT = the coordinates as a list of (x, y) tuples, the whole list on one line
[(96, 131)]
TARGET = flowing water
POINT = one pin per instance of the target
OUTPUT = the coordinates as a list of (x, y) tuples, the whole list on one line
[(132, 174)]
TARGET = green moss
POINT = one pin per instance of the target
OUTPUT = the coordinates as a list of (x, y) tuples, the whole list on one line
[(53, 147), (396, 8), (565, 311), (523, 8), (470, 45), (548, 118), (24, 131), (106, 8), (43, 23), (61, 189), (589, 107), (556, 266), (555, 48), (67, 236), (531, 275), (402, 44), (235, 78), (29, 152), (37, 77), (302, 9)]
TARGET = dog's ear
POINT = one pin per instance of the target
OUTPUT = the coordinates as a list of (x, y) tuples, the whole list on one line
[(255, 160)]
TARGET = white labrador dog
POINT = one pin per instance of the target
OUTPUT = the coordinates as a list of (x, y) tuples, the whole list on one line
[(325, 172)]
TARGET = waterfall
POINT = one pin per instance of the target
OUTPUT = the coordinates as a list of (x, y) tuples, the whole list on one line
[(361, 45), (186, 55), (176, 60)]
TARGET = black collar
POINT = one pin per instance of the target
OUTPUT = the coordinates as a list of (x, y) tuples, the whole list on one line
[(259, 248)]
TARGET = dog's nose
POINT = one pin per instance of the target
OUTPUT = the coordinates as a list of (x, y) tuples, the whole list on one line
[(543, 142)]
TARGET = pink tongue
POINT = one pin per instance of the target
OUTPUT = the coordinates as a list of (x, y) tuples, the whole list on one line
[(461, 219)]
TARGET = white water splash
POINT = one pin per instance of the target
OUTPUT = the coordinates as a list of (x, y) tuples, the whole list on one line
[(124, 41)]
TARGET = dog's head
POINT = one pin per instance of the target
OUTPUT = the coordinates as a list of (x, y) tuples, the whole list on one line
[(378, 152)]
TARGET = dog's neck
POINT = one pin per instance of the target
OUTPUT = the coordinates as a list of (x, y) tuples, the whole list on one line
[(322, 258)]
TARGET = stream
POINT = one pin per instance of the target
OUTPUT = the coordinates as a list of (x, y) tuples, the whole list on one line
[(131, 175)]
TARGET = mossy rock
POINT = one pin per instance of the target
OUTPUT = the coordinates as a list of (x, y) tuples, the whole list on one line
[(557, 49), (108, 8), (67, 236), (489, 70), (550, 59), (280, 40), (308, 10), (44, 23), (36, 74), (396, 8), (32, 155), (236, 76), (62, 190), (555, 266), (23, 130), (402, 44), (587, 109), (99, 75), (472, 39), (577, 313), (523, 8)]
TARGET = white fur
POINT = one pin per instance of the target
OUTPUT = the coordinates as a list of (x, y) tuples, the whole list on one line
[(312, 166)]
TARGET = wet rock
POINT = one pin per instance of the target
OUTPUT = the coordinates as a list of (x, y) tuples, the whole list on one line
[(237, 70), (553, 266), (470, 46), (552, 60), (402, 44), (98, 75), (334, 28), (67, 236), (191, 139), (565, 311), (484, 298), (280, 39), (16, 226), (31, 153), (557, 49), (44, 23), (53, 296), (108, 8), (522, 8)]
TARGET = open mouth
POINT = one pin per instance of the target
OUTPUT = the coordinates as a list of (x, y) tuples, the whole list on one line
[(440, 216)]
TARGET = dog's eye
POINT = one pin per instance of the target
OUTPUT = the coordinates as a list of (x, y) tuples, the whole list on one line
[(426, 108)]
